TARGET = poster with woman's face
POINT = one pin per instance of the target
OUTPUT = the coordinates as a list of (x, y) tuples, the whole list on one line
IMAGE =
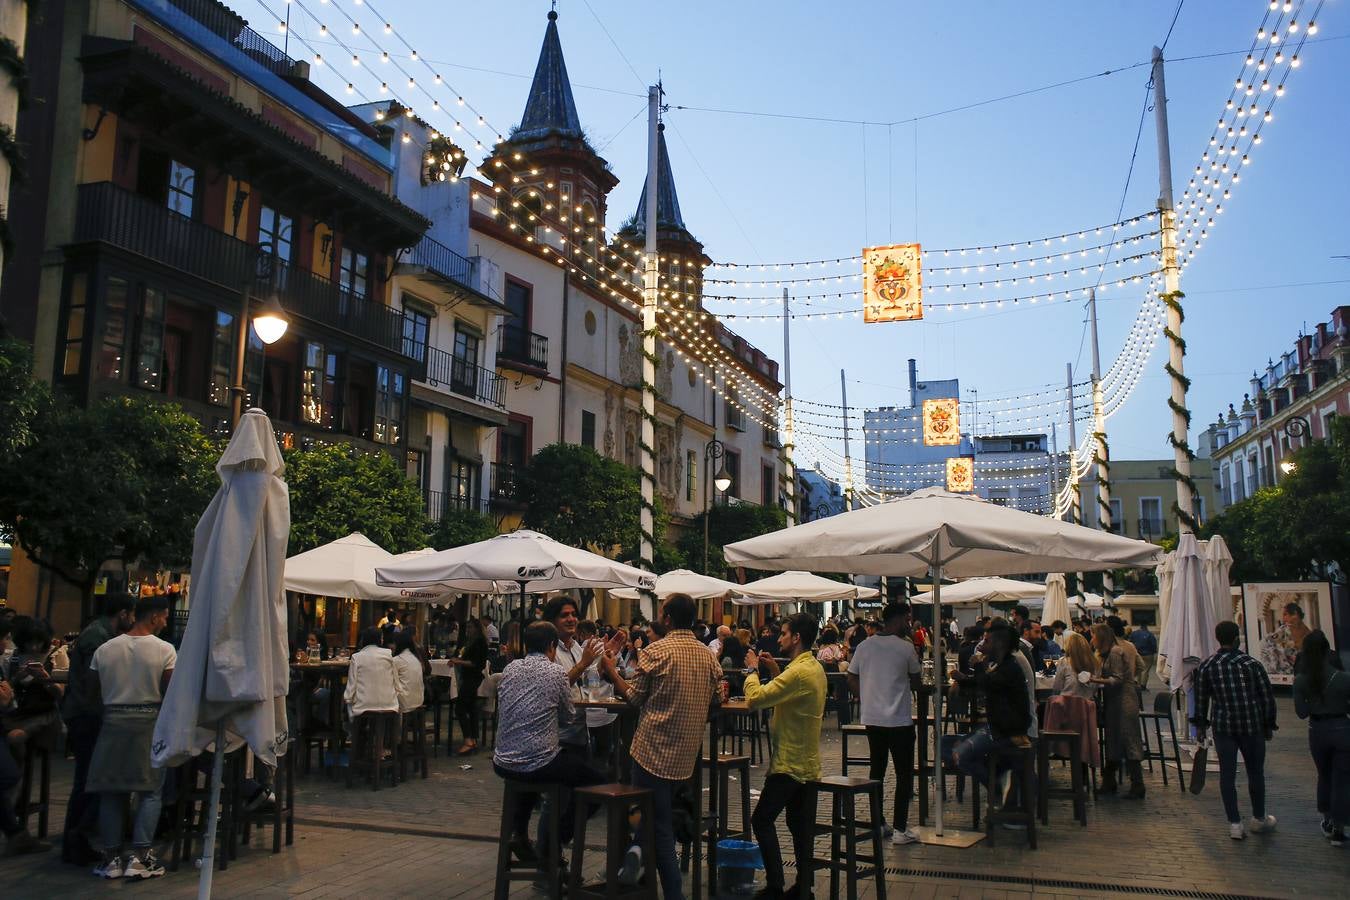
[(1277, 617)]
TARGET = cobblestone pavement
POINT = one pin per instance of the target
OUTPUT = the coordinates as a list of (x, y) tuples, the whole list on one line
[(436, 838)]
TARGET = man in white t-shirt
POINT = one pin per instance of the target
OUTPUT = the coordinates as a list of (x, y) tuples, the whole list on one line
[(132, 672), (884, 673)]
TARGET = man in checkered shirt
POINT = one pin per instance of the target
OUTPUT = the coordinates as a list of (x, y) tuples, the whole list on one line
[(1233, 697)]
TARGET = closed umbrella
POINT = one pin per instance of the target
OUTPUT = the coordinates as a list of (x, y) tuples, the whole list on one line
[(1188, 638), (1056, 599), (232, 675), (1164, 575), (801, 587), (933, 532), (1217, 562)]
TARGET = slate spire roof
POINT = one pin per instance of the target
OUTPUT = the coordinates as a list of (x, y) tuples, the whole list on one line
[(667, 201), (550, 108)]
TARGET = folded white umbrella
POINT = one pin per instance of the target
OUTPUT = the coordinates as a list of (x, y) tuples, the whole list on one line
[(800, 587), (524, 561), (1056, 600), (1188, 638), (232, 674), (935, 532), (1216, 562), (682, 581), (978, 591)]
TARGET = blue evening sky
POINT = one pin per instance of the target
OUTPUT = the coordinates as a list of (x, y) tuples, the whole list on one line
[(758, 188)]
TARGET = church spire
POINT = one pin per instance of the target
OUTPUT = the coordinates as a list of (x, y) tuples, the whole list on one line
[(667, 201), (550, 108)]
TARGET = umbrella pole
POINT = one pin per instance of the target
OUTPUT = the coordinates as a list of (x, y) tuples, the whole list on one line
[(523, 623), (212, 808), (939, 673)]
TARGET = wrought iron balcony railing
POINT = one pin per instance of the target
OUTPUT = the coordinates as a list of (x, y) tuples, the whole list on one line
[(520, 345), (465, 378)]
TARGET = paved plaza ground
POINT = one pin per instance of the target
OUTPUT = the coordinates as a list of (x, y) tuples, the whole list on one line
[(436, 838)]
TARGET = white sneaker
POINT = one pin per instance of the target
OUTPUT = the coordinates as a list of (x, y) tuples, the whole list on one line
[(908, 836), (1256, 826), (1235, 831), (111, 868)]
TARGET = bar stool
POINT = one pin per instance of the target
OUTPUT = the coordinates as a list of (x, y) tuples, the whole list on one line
[(371, 733), (616, 800), (1051, 746), (851, 759), (717, 823), (515, 792), (412, 746), (1162, 712), (1023, 769), (844, 828), (281, 817), (24, 805)]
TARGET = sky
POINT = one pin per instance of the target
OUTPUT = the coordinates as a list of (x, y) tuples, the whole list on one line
[(779, 184)]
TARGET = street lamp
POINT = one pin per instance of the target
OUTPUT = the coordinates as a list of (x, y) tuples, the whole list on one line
[(714, 449), (1288, 466), (269, 324), (1297, 427)]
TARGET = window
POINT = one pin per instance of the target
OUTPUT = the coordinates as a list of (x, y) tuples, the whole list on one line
[(588, 429), (1150, 517), (222, 359), (1200, 509), (734, 414), (731, 459), (1328, 423), (150, 341), (182, 185), (690, 475), (1238, 481), (516, 332), (416, 329), (768, 485), (1268, 470), (354, 272), (513, 443), (461, 481), (1251, 475), (114, 329), (318, 386), (389, 390), (71, 357), (1117, 516), (274, 234)]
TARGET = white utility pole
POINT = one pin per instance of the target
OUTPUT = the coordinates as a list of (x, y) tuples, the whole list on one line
[(1072, 474), (1172, 297), (1099, 437), (848, 459), (789, 442), (650, 286)]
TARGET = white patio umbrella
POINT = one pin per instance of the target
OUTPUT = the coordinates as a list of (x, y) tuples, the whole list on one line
[(1164, 575), (979, 591), (1216, 562), (232, 675), (1188, 638), (682, 581), (934, 532), (1056, 600), (346, 568), (800, 587), (1088, 600), (524, 561)]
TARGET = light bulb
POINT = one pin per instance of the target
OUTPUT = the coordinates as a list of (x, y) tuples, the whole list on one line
[(281, 26), (1312, 28), (388, 29), (384, 87), (1293, 26), (460, 101), (318, 59), (436, 78), (356, 60), (1295, 62), (407, 138), (356, 29), (350, 87), (323, 31), (413, 57)]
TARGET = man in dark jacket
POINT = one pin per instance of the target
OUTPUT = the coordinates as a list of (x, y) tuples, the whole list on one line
[(1000, 679)]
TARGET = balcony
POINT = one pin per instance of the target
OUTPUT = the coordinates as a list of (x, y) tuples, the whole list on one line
[(439, 503), (521, 347), (502, 487), (464, 378), (109, 214)]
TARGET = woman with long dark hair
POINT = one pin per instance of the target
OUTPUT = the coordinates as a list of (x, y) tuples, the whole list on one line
[(1322, 696), (412, 668), (469, 663)]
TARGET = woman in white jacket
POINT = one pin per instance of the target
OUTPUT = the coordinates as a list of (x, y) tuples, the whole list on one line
[(372, 677), (412, 671)]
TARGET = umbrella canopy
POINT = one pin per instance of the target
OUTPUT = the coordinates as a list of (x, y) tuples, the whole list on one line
[(1216, 562), (977, 591), (1056, 600), (792, 587), (931, 527), (683, 581), (1089, 600), (1188, 637), (510, 562), (346, 568), (232, 665)]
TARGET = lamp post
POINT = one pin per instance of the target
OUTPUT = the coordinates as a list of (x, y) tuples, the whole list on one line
[(269, 324), (714, 449), (1295, 427)]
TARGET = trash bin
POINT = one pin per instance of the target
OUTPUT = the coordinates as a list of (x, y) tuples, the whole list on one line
[(736, 865)]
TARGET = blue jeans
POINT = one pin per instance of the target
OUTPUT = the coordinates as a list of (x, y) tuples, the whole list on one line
[(970, 752), (1253, 750), (667, 862), (112, 809)]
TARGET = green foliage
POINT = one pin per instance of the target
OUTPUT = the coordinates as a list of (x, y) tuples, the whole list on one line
[(726, 525), (459, 527), (665, 555), (336, 490), (22, 398), (576, 496), (127, 479)]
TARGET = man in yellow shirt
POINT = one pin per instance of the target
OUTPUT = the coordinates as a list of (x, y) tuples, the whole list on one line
[(797, 694)]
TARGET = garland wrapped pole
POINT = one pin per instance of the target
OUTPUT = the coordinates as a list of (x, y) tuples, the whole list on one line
[(651, 284), (1076, 503), (789, 442), (1181, 416), (1102, 455)]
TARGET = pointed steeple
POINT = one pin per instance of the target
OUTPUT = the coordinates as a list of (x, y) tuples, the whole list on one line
[(550, 108), (667, 201)]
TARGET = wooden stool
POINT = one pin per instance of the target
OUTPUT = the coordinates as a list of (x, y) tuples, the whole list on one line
[(1024, 772), (282, 812), (615, 799), (24, 805), (412, 742), (1051, 746), (508, 870), (371, 733), (849, 759), (746, 726), (717, 823), (1162, 712), (438, 700), (845, 829)]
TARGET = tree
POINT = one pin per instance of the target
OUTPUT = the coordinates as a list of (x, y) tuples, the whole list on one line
[(459, 527), (665, 555), (727, 524), (22, 398), (576, 496), (127, 479), (337, 490)]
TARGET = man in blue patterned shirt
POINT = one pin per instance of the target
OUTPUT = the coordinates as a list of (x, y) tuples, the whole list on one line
[(534, 696), (1233, 697)]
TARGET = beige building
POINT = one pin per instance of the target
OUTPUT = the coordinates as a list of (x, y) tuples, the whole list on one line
[(1143, 492)]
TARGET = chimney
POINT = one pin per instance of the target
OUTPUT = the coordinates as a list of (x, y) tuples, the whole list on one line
[(913, 383)]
